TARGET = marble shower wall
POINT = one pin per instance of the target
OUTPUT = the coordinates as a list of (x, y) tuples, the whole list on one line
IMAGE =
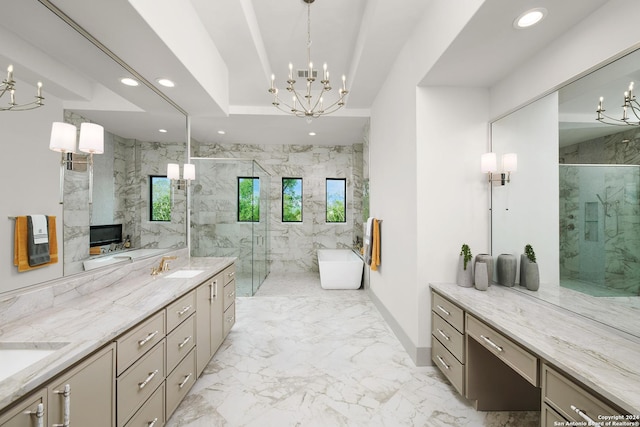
[(600, 212), (292, 245), (121, 196)]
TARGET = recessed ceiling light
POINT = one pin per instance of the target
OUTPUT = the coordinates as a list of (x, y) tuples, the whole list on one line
[(166, 82), (221, 132), (129, 81), (312, 134), (162, 130), (530, 17)]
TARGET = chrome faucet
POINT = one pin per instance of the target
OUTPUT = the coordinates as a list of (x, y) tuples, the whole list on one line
[(164, 265)]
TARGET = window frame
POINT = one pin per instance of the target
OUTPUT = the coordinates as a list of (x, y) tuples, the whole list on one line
[(301, 200), (326, 198), (152, 178), (253, 203)]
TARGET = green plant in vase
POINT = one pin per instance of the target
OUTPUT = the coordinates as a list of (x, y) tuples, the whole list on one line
[(464, 276), (529, 271)]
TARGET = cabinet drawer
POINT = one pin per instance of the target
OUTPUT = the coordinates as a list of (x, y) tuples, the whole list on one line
[(229, 273), (229, 319), (151, 412), (180, 341), (449, 365), (138, 341), (26, 413), (523, 362), (448, 311), (180, 309), (180, 381), (229, 293), (561, 394), (448, 336), (139, 382), (550, 418)]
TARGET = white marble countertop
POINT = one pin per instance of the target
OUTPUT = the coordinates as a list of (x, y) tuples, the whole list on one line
[(89, 322), (604, 360)]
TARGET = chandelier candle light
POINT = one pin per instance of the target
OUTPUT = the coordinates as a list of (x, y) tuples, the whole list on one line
[(8, 85), (303, 103), (630, 103)]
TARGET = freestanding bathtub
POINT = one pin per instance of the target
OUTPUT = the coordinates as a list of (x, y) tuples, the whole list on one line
[(340, 269)]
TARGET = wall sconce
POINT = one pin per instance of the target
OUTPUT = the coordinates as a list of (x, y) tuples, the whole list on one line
[(188, 174), (63, 140), (489, 165)]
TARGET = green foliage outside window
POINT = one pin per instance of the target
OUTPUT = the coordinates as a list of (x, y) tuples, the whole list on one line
[(160, 198), (336, 200), (248, 199), (291, 199)]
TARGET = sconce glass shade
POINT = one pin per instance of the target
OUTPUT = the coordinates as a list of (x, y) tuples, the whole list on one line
[(488, 163), (189, 172), (173, 171), (510, 162), (63, 137), (91, 138)]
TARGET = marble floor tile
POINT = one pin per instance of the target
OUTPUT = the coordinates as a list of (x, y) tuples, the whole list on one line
[(300, 355)]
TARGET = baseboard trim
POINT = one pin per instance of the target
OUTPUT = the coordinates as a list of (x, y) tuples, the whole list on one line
[(421, 356)]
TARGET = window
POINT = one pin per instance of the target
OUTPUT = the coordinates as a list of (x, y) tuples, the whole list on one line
[(248, 199), (291, 199), (160, 198), (336, 200)]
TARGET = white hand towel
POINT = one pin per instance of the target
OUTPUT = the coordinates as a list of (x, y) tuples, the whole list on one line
[(40, 229)]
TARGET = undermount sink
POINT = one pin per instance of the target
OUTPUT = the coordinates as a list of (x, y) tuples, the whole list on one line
[(16, 356), (183, 274)]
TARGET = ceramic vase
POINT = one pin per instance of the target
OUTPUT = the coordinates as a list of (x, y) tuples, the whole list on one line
[(523, 266), (506, 269), (464, 276), (532, 275), (487, 259), (481, 276)]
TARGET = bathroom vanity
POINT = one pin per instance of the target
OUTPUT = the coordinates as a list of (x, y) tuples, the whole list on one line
[(505, 350), (123, 355)]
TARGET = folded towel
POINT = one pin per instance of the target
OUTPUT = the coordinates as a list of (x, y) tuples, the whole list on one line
[(39, 227), (367, 241), (375, 244), (21, 242)]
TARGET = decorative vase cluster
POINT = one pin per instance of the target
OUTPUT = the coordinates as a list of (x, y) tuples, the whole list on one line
[(481, 272)]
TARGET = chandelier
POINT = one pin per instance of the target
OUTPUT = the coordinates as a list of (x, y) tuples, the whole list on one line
[(630, 104), (8, 85), (304, 103)]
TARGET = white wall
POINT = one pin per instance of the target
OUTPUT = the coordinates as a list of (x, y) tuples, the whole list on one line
[(401, 128), (30, 177)]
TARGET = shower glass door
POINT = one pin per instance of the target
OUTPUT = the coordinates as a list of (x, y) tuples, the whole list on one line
[(229, 217)]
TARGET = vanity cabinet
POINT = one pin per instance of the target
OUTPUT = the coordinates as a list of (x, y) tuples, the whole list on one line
[(82, 396), (447, 332), (30, 412), (209, 326), (229, 299), (564, 400)]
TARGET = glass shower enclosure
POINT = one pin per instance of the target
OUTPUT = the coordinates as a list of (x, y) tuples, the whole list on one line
[(218, 228), (599, 229)]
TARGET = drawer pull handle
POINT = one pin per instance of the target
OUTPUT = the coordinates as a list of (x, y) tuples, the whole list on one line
[(441, 360), (584, 416), (66, 413), (230, 319), (213, 295), (39, 414), (492, 344), (442, 309), (147, 338), (183, 343), (231, 294), (152, 423), (148, 379), (233, 273), (184, 310), (184, 382), (443, 335)]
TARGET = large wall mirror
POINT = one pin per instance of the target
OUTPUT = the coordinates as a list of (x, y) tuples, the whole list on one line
[(576, 195), (81, 83)]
